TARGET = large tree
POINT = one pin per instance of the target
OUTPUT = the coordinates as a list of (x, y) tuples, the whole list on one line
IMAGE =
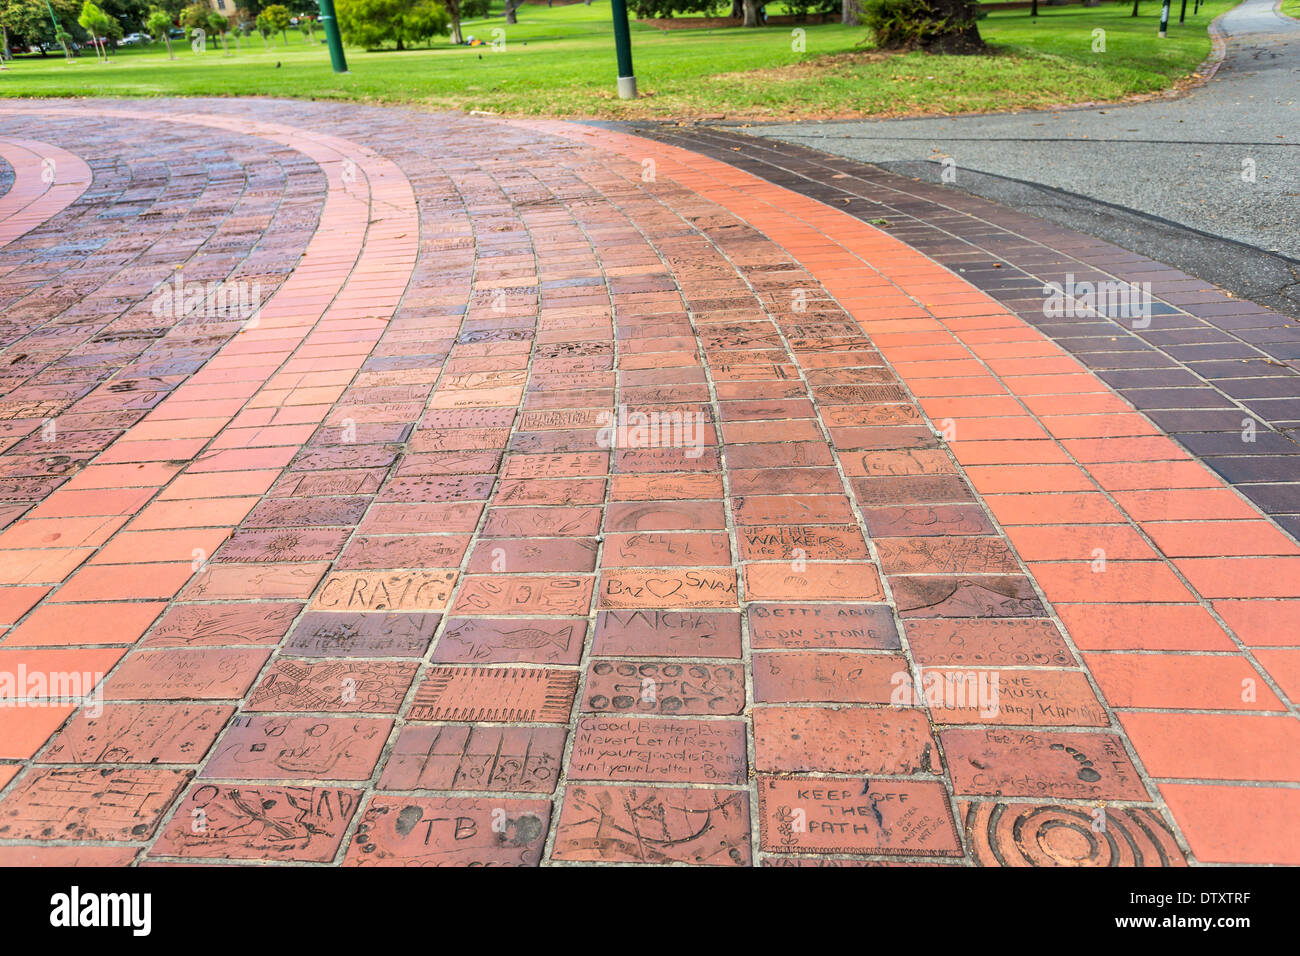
[(936, 26), (453, 17), (377, 23), (30, 21)]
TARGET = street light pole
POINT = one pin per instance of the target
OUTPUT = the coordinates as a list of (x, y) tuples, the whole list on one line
[(623, 48), (1164, 19), (332, 39)]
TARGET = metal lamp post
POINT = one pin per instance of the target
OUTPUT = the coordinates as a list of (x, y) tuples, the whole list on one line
[(623, 48), (1164, 19), (332, 38), (58, 27)]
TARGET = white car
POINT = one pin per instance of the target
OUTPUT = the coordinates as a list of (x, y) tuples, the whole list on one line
[(133, 39)]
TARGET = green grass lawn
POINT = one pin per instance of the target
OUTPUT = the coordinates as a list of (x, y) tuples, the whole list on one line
[(560, 61), (1291, 8)]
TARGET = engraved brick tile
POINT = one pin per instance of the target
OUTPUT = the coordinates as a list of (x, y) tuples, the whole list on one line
[(667, 634), (450, 831), (475, 757), (806, 542), (533, 555), (512, 640), (825, 677), (658, 750), (972, 596), (201, 673), (356, 686), (819, 815), (139, 733), (668, 587), (237, 821), (362, 634), (522, 594), (812, 582), (639, 824), (94, 804), (868, 626), (845, 740), (663, 687), (665, 549), (978, 642), (258, 747), (1006, 696), (403, 590), (1002, 833), (195, 625), (513, 694), (1033, 763)]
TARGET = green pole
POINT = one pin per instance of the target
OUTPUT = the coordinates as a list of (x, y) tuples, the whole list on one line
[(332, 39), (623, 48), (58, 28)]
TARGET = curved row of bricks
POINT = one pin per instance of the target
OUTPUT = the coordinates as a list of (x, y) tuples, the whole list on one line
[(371, 561)]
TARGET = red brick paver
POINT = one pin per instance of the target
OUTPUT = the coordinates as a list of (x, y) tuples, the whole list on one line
[(575, 498)]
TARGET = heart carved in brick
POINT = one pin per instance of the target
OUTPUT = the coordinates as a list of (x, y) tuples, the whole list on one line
[(662, 587)]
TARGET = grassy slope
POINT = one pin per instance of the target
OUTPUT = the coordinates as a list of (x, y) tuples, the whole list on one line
[(560, 61)]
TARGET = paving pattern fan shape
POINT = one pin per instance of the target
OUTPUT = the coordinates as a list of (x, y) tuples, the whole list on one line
[(572, 497)]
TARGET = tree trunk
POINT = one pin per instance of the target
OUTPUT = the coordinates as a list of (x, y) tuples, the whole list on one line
[(737, 9), (511, 7), (849, 13), (954, 30), (456, 37), (1135, 7), (4, 52), (752, 19)]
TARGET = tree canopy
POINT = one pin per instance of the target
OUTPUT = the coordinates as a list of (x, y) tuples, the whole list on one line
[(377, 23)]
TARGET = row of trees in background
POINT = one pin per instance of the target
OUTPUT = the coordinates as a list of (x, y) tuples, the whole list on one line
[(947, 25), (936, 25), (28, 22), (402, 23), (100, 23), (941, 25)]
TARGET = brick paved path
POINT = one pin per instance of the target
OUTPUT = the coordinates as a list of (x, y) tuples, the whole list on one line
[(868, 569)]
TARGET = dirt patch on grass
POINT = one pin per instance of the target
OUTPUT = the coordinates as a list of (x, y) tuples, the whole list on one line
[(813, 68)]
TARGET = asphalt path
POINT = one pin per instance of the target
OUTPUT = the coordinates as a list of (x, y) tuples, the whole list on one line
[(1182, 179)]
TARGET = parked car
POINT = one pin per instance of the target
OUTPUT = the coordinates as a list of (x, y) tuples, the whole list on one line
[(135, 39)]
